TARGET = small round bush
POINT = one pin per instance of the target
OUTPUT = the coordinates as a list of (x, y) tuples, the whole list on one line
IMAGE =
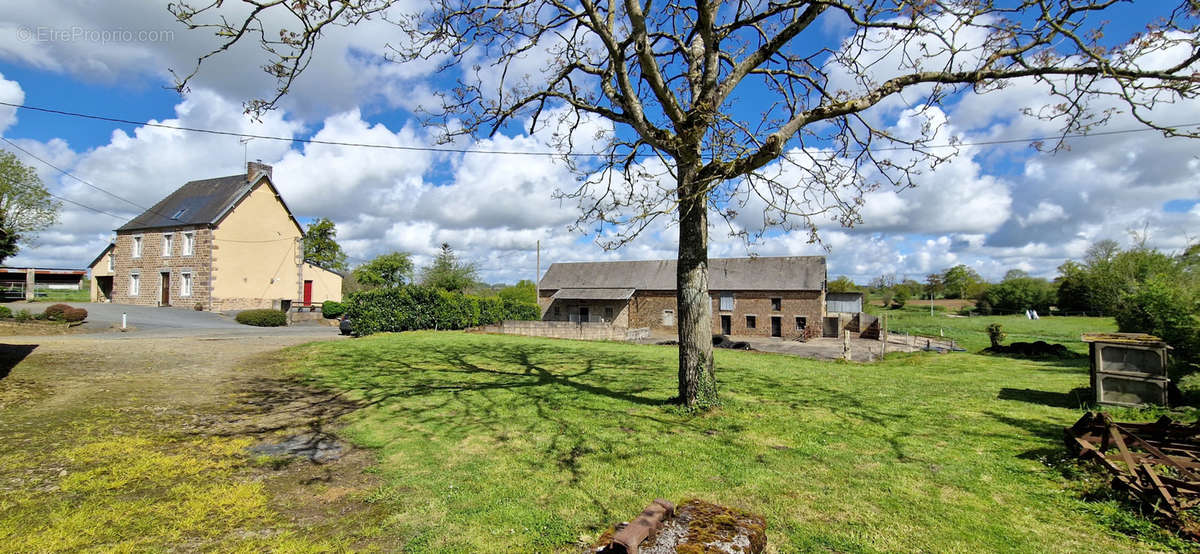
[(262, 318), (55, 312), (5, 312), (75, 315), (333, 310), (23, 315)]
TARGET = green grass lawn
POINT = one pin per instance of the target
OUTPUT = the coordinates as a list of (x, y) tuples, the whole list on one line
[(510, 444), (971, 332), (81, 295)]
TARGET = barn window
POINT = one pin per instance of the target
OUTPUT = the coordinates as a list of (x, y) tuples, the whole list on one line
[(135, 284), (668, 318), (751, 322), (608, 313), (776, 304), (189, 243), (168, 242), (801, 322), (726, 301), (186, 286), (557, 312), (137, 246)]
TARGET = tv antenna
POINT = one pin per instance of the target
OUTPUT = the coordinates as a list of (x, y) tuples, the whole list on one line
[(245, 149)]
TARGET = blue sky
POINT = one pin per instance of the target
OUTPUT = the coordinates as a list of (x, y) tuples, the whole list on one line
[(993, 207)]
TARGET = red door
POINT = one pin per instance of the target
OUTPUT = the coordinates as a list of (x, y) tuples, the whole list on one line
[(308, 293)]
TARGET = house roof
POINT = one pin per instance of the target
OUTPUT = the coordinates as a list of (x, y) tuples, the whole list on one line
[(110, 246), (762, 273), (200, 202), (203, 202), (319, 266), (593, 294)]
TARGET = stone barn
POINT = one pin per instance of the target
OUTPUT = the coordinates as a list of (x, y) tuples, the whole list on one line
[(763, 296)]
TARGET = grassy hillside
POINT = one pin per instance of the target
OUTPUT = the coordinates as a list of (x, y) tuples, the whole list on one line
[(509, 444), (971, 332)]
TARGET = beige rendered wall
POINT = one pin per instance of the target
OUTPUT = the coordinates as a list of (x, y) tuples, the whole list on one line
[(100, 270), (327, 285), (256, 254)]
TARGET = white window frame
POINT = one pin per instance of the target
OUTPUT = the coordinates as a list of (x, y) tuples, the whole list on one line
[(168, 244), (726, 296), (189, 243), (137, 246), (135, 284), (185, 283), (111, 263)]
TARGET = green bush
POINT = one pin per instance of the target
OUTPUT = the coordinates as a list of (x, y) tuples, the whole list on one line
[(332, 309), (1163, 307), (23, 315), (996, 334), (55, 312), (5, 312), (74, 315), (899, 299), (415, 307), (262, 318)]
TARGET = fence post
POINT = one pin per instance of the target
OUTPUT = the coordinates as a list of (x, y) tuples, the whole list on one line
[(846, 345)]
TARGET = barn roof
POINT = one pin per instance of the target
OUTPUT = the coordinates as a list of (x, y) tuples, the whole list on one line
[(761, 273)]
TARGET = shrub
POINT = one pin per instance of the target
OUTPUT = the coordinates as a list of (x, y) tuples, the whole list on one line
[(23, 315), (415, 307), (198, 307), (900, 298), (996, 334), (262, 318), (5, 312), (332, 309), (74, 315), (54, 312)]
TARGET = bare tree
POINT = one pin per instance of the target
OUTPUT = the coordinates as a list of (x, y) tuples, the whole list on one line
[(722, 106)]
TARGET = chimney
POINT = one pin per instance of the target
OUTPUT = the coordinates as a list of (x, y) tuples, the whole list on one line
[(256, 168)]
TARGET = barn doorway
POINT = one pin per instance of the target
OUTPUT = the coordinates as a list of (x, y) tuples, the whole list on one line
[(584, 314), (830, 328), (105, 286), (726, 325), (308, 293), (776, 326)]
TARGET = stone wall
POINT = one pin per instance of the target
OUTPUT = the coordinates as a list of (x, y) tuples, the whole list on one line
[(561, 330), (152, 263), (657, 310)]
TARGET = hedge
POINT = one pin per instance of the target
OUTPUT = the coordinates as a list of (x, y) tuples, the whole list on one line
[(55, 312), (262, 318), (5, 312), (332, 310), (74, 315), (414, 307)]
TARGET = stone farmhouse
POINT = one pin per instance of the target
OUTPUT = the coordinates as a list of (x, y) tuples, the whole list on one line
[(228, 243), (765, 296)]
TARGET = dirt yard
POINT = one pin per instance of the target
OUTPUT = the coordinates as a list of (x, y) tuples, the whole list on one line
[(149, 443)]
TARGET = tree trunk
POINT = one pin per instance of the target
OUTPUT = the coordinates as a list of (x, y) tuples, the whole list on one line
[(697, 382)]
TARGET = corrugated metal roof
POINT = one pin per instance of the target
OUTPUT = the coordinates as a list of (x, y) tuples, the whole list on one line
[(762, 273), (195, 203), (593, 294)]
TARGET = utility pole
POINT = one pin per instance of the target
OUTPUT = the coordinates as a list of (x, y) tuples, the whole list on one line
[(537, 276)]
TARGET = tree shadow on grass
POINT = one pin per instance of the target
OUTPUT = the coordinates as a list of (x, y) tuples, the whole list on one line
[(1077, 398), (581, 404), (13, 354)]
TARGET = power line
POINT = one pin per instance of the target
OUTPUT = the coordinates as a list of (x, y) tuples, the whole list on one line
[(543, 153), (69, 174), (64, 199)]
